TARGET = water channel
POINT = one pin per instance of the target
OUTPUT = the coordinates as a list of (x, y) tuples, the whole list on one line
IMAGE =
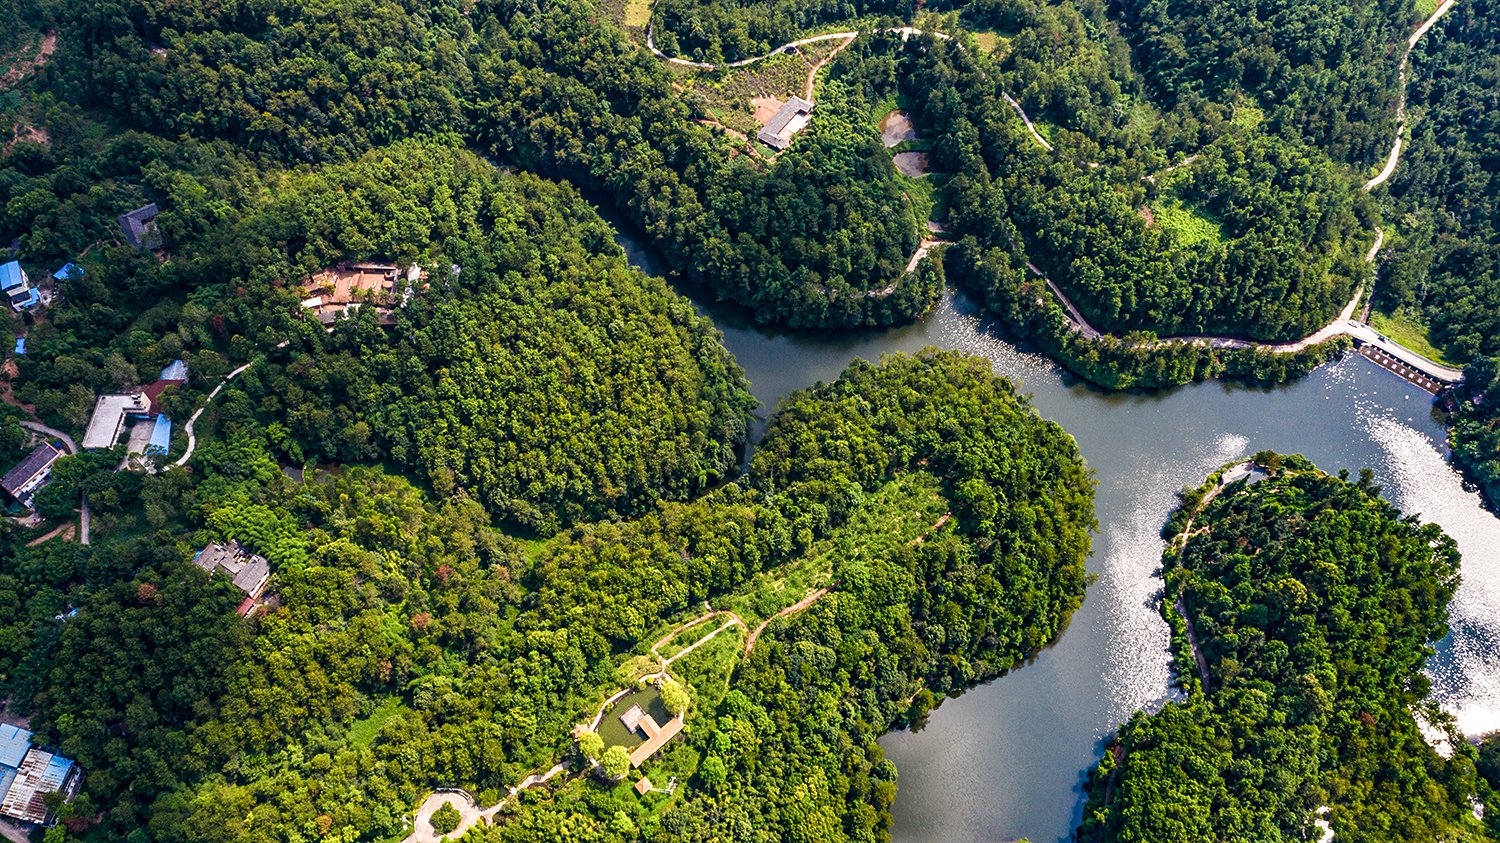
[(1006, 760)]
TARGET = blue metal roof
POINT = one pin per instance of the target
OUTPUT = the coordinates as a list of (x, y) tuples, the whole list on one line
[(14, 742), (161, 436), (11, 275), (69, 270), (177, 371), (20, 345), (32, 299)]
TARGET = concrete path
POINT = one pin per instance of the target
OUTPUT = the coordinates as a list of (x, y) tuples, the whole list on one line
[(192, 441), (469, 811), (1395, 156), (50, 431), (1030, 127)]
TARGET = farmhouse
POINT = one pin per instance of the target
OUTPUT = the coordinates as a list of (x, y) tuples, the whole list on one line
[(139, 227), (31, 473), (28, 773), (788, 121)]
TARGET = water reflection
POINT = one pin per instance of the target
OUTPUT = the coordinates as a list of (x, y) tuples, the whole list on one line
[(1006, 760)]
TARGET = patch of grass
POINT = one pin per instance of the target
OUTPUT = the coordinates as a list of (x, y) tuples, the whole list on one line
[(993, 43), (1247, 115), (1405, 328), (1190, 224), (364, 730), (637, 13), (894, 515), (708, 669), (916, 145), (1425, 8)]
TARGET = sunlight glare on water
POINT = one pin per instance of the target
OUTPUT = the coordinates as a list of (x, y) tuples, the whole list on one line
[(1466, 669)]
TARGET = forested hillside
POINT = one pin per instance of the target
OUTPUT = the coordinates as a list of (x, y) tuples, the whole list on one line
[(552, 90), (416, 645), (1303, 609), (1447, 270)]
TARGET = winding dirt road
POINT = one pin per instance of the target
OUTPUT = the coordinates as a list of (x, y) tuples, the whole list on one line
[(1395, 156)]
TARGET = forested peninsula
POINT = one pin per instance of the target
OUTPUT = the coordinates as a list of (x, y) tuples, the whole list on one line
[(415, 644), (1303, 608)]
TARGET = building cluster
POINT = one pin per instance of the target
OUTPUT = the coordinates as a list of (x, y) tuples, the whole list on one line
[(346, 287), (113, 411), (28, 773), (247, 571)]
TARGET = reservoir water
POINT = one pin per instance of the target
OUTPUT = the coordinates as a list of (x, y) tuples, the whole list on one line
[(1006, 760)]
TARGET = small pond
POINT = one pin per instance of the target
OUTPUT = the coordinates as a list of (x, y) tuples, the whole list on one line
[(895, 128), (912, 164), (614, 732)]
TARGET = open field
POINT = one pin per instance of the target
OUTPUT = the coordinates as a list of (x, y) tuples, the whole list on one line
[(1410, 332)]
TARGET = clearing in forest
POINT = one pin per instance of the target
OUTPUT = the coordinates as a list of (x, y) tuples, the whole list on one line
[(1191, 224), (741, 97)]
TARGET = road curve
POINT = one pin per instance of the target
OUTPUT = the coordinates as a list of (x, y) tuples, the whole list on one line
[(53, 432), (1395, 156), (192, 441)]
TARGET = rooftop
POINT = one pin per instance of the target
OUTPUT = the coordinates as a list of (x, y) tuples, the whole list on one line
[(14, 741), (39, 774), (656, 738), (632, 718), (161, 436), (175, 371), (109, 418), (35, 463), (788, 121), (11, 275), (69, 270), (248, 572), (139, 227)]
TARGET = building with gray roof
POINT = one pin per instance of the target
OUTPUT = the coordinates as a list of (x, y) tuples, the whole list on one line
[(139, 227), (788, 121), (31, 473), (249, 572)]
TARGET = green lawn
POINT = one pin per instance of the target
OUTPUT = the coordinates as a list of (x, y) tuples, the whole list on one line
[(637, 13), (364, 730), (1190, 224), (1410, 332)]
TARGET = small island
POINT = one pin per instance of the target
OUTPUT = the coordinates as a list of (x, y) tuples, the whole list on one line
[(1303, 608)]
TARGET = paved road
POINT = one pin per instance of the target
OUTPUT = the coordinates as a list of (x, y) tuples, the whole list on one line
[(53, 432), (1436, 371), (468, 810), (192, 441)]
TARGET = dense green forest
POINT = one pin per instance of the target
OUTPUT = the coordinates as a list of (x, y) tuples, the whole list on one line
[(551, 90), (1303, 609), (1447, 268), (415, 644)]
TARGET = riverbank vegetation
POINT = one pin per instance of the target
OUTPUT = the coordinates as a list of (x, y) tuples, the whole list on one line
[(1311, 605), (413, 644)]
